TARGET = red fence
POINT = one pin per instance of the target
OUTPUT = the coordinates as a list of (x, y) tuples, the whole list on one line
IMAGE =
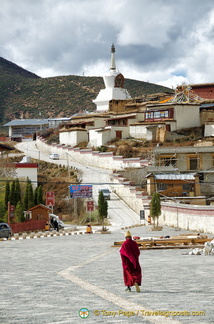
[(4, 139), (28, 226)]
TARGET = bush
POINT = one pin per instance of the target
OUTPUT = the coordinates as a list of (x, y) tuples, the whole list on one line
[(53, 138), (102, 148)]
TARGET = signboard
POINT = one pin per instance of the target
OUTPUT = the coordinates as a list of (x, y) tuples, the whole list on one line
[(142, 214), (50, 198), (12, 211), (81, 191), (90, 205), (146, 207)]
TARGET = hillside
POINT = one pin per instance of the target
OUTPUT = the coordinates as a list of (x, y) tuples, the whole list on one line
[(26, 95)]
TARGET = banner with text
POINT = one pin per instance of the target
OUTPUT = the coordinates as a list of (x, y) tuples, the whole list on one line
[(81, 191)]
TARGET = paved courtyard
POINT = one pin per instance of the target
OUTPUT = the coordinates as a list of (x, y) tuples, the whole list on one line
[(49, 280)]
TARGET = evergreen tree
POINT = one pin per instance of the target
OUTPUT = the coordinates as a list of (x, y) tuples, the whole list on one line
[(105, 208), (19, 212), (102, 207), (155, 206), (26, 195), (17, 191), (30, 195), (40, 195), (12, 193), (35, 196), (5, 217), (25, 205), (7, 194), (2, 212)]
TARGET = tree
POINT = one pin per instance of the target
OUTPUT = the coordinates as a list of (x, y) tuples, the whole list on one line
[(35, 196), (30, 195), (40, 195), (102, 207), (12, 193), (2, 212), (17, 191), (105, 208), (19, 212), (155, 207), (26, 198), (7, 194)]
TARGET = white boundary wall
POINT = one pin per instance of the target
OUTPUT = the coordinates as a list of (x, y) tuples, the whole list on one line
[(190, 217), (89, 157)]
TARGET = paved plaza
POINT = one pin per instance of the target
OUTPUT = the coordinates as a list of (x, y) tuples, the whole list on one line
[(57, 279)]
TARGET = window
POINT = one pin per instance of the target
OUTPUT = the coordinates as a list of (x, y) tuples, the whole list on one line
[(28, 130), (193, 163), (149, 115), (161, 186), (159, 114), (119, 134), (188, 187), (168, 128), (167, 161), (164, 114)]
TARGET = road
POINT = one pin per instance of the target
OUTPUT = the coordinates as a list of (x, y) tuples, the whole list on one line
[(49, 280), (119, 214)]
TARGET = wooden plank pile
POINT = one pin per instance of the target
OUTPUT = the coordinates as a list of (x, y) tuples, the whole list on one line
[(182, 241)]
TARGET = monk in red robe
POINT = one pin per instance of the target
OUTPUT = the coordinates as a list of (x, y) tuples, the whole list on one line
[(130, 261)]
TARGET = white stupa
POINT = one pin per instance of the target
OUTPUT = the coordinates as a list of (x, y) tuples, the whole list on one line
[(114, 86)]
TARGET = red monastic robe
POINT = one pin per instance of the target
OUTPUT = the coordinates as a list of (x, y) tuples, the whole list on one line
[(130, 261)]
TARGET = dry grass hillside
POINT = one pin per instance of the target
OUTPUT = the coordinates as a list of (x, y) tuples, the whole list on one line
[(26, 95), (52, 177), (57, 178)]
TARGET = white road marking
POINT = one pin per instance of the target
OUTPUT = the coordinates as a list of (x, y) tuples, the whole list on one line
[(121, 302)]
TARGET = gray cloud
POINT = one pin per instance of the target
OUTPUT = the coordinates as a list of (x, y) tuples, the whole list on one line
[(162, 41)]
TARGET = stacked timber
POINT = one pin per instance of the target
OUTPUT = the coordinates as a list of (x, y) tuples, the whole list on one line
[(182, 241)]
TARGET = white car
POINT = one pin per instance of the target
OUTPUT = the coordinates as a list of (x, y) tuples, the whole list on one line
[(54, 156)]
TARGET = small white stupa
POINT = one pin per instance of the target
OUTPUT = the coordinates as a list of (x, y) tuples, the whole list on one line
[(114, 86)]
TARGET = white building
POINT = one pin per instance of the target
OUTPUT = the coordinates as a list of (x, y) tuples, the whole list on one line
[(77, 130), (27, 170), (172, 117), (99, 137), (25, 128), (73, 136), (114, 87)]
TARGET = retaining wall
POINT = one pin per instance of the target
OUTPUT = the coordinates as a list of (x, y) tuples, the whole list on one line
[(105, 160), (190, 217)]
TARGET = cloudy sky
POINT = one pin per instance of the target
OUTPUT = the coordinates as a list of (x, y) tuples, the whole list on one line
[(161, 41)]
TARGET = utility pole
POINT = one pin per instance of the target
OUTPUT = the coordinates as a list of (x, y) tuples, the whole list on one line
[(75, 207), (8, 213), (68, 164)]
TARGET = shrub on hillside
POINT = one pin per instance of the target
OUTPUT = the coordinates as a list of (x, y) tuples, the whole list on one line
[(53, 138)]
